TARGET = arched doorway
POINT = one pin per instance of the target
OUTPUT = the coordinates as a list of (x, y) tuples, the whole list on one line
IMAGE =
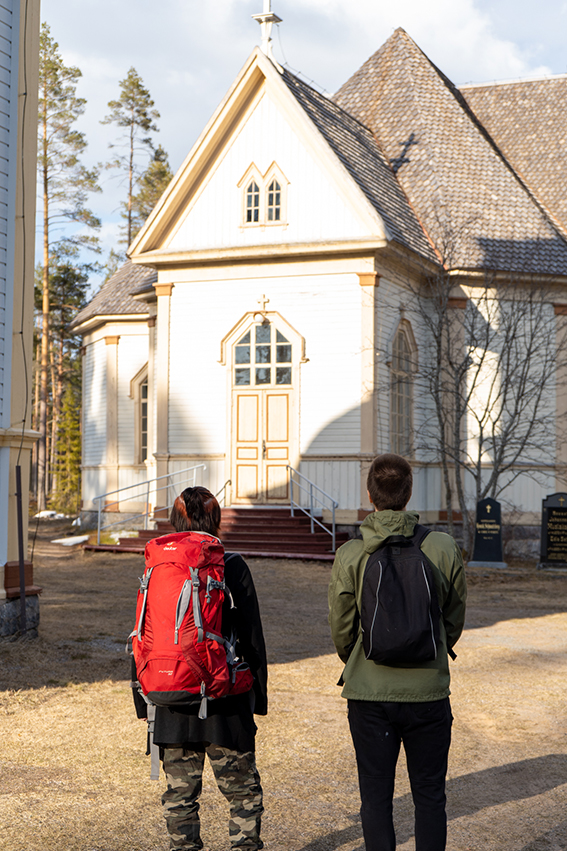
[(264, 353)]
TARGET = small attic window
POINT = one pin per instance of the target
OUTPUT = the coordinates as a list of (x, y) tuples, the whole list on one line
[(252, 202), (274, 201), (263, 197)]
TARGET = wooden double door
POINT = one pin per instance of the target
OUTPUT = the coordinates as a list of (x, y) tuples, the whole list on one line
[(261, 434)]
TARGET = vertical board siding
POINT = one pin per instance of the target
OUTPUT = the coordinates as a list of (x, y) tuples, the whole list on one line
[(315, 208), (329, 403), (8, 133), (94, 410), (340, 479), (132, 355), (94, 484)]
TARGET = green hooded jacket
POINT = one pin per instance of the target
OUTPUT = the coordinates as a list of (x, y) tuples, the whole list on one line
[(367, 680)]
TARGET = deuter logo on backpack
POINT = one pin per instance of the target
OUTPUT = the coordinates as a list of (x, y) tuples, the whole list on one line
[(400, 611), (180, 652)]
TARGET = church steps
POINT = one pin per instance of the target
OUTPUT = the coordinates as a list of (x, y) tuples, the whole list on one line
[(260, 532)]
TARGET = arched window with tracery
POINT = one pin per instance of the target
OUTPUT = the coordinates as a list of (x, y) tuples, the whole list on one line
[(253, 202), (401, 395), (274, 201)]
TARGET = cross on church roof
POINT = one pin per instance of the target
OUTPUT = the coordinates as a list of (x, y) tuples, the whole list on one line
[(263, 301), (267, 19)]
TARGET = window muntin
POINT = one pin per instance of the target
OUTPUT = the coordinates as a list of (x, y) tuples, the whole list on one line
[(144, 420), (274, 201), (253, 203), (268, 355), (401, 395)]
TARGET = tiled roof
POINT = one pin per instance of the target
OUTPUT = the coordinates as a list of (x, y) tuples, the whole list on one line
[(471, 202), (528, 121), (357, 149), (115, 296)]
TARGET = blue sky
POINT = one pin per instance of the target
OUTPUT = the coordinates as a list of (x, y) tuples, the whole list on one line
[(189, 51)]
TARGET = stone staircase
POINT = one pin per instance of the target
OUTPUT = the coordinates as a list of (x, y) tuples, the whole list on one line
[(255, 531)]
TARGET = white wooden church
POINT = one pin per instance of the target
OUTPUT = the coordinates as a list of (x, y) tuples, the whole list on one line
[(264, 307)]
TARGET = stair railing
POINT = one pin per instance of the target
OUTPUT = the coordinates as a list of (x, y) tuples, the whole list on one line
[(223, 492), (317, 497), (189, 478)]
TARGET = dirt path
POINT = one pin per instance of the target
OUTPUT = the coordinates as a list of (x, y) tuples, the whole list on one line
[(73, 775)]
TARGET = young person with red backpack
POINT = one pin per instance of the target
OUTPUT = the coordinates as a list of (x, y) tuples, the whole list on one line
[(200, 671), (397, 608)]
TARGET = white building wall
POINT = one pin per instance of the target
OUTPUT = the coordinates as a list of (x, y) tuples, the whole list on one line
[(315, 208), (132, 355), (9, 25), (325, 309), (94, 405)]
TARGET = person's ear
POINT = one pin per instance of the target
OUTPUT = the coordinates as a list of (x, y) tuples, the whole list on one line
[(370, 498)]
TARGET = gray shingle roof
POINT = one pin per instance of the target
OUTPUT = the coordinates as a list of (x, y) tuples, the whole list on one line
[(473, 205), (358, 151), (115, 296), (528, 121)]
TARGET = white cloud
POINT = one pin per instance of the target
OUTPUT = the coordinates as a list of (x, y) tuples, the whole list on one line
[(189, 51)]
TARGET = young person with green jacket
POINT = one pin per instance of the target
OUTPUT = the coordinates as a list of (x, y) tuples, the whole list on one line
[(389, 704)]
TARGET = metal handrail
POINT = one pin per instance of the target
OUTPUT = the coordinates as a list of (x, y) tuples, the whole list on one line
[(148, 487), (223, 491), (312, 499)]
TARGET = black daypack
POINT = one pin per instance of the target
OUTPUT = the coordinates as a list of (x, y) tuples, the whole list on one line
[(400, 610)]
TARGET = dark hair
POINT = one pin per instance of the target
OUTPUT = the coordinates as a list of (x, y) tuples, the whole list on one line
[(390, 482), (196, 510)]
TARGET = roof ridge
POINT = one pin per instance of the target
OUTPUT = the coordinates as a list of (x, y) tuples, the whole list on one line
[(514, 81)]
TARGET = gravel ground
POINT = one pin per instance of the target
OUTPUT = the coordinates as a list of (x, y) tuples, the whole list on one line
[(73, 774)]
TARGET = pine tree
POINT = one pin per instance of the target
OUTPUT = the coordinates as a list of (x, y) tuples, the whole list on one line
[(134, 112), (151, 186), (68, 463), (64, 183)]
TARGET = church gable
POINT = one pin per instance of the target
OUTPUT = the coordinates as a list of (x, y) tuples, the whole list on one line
[(299, 189), (267, 186)]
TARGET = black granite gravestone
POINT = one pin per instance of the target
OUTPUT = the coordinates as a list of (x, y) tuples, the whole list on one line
[(488, 534), (554, 529)]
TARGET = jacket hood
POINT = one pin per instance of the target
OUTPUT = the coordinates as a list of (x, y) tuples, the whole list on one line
[(381, 524)]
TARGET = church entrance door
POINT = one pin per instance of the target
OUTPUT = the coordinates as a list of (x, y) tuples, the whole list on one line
[(262, 415), (262, 446)]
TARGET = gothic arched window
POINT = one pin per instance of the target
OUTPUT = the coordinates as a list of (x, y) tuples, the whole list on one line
[(253, 202), (401, 395), (274, 201)]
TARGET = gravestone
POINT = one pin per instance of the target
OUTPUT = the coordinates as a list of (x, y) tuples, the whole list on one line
[(554, 530), (488, 535)]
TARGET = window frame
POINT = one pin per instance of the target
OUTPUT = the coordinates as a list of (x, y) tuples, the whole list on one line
[(402, 392), (136, 385), (264, 182)]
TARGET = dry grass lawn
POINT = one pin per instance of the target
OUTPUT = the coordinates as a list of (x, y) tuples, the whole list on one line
[(74, 776)]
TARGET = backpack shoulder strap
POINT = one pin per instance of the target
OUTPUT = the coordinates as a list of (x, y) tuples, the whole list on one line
[(420, 533)]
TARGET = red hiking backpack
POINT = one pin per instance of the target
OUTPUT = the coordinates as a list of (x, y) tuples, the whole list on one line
[(180, 652)]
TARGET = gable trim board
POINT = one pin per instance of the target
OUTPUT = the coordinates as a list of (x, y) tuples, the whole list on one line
[(257, 74)]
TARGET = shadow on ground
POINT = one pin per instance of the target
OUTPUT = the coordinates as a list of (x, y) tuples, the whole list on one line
[(471, 793)]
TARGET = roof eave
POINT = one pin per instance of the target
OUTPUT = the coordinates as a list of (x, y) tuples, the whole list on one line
[(103, 318)]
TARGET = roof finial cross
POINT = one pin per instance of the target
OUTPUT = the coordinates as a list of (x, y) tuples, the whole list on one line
[(263, 301), (267, 19)]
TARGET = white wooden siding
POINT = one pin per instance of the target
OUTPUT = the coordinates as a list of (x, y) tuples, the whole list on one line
[(132, 355), (339, 479), (8, 148), (325, 309), (315, 209), (94, 405)]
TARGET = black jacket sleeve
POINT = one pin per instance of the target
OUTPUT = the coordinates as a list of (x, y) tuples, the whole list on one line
[(246, 622)]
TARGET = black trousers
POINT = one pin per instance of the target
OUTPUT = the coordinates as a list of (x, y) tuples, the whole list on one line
[(377, 730)]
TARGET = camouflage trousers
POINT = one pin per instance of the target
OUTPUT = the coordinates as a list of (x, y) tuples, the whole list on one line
[(237, 778)]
